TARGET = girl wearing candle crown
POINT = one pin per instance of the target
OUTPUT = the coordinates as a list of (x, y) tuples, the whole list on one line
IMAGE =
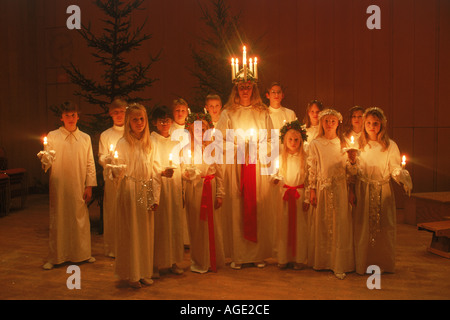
[(203, 197), (170, 216), (330, 238), (375, 215), (137, 198), (291, 242), (107, 145), (246, 205), (353, 126)]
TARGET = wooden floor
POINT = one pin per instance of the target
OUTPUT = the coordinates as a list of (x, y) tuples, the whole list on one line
[(23, 248)]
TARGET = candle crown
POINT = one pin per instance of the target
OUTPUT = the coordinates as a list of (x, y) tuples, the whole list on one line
[(248, 71)]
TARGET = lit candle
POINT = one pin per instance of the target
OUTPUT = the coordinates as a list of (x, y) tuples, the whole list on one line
[(352, 141), (204, 109), (189, 110), (116, 157), (250, 65), (190, 156), (214, 131), (233, 70), (244, 62), (403, 162), (170, 160), (255, 67), (277, 165), (111, 149), (45, 143)]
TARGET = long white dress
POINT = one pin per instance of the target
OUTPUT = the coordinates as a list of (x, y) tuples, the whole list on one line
[(200, 229), (72, 171), (281, 116), (375, 211), (240, 248), (295, 181), (109, 137), (169, 218), (137, 191), (330, 236)]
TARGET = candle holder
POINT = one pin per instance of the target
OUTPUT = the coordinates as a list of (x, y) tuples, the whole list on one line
[(248, 72)]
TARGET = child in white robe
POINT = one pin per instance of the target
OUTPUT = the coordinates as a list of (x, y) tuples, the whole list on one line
[(213, 106), (107, 144), (291, 235), (353, 126), (247, 208), (170, 217), (203, 197), (72, 177), (330, 236), (279, 114), (375, 210), (137, 198)]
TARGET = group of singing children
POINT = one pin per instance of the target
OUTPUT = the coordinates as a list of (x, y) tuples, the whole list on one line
[(332, 206)]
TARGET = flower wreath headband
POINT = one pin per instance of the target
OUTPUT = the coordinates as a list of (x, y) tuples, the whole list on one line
[(191, 118), (331, 112), (294, 125)]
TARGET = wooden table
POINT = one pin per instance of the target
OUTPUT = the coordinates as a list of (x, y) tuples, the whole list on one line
[(440, 243)]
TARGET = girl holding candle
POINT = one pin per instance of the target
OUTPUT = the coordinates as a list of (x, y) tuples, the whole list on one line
[(330, 236), (137, 198), (375, 211), (291, 234), (353, 126), (107, 144), (203, 197), (170, 216), (249, 223)]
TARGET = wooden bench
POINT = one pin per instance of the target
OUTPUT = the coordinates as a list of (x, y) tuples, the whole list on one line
[(5, 194), (427, 207), (440, 243)]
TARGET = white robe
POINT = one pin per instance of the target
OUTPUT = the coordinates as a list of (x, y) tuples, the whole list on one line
[(312, 133), (295, 175), (135, 222), (281, 116), (199, 229), (170, 216), (109, 137), (240, 249), (72, 171), (375, 211), (330, 237)]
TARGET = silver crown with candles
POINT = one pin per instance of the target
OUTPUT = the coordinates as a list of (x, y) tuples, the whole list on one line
[(249, 70)]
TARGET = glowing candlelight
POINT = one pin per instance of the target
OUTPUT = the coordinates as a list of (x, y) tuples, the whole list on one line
[(255, 67), (237, 66), (244, 62), (111, 149), (352, 140), (116, 157), (250, 65), (170, 160), (277, 165), (204, 109), (189, 110), (233, 70), (403, 162), (45, 143)]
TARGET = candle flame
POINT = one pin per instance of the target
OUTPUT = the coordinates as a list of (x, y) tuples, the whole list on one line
[(170, 157), (116, 155), (111, 147), (352, 139), (404, 159), (45, 140)]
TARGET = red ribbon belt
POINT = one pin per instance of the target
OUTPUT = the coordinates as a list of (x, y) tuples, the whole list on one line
[(206, 214), (248, 189), (291, 195)]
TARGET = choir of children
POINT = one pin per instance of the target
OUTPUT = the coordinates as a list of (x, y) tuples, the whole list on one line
[(299, 215)]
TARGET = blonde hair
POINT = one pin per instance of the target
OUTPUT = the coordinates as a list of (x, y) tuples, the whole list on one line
[(212, 97), (255, 99), (118, 103), (284, 152), (382, 137), (128, 136), (306, 119), (334, 113), (179, 102)]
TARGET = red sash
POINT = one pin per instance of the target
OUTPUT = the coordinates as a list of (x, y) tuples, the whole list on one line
[(248, 189), (291, 195), (206, 214)]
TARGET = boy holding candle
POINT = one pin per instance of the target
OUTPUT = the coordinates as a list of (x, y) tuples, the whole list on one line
[(72, 177), (170, 216), (107, 145)]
